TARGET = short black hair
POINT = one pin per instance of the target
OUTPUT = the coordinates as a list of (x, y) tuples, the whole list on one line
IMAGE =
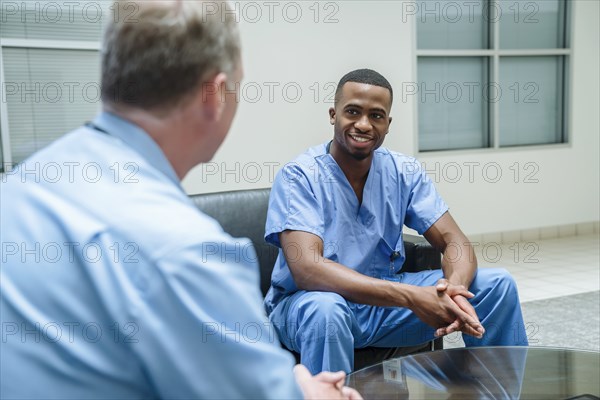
[(367, 76)]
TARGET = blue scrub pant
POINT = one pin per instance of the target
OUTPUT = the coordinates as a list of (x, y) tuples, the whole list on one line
[(325, 328)]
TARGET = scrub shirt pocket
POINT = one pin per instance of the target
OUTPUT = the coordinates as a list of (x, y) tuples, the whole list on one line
[(381, 265)]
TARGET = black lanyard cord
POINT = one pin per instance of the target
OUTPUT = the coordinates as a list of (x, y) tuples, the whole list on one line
[(95, 127)]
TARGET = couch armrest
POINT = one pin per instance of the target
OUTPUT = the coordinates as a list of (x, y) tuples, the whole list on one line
[(420, 255)]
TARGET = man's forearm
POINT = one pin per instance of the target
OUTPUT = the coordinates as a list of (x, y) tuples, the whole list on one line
[(312, 271), (321, 274), (459, 262)]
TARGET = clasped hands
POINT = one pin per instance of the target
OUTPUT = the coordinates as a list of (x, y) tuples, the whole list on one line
[(466, 320), (450, 310)]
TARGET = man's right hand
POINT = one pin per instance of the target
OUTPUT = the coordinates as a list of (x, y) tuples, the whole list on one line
[(438, 309), (456, 292), (326, 385)]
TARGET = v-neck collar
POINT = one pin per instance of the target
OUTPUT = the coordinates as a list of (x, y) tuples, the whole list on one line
[(362, 208)]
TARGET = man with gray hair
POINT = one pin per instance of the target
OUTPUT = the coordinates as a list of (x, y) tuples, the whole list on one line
[(108, 287)]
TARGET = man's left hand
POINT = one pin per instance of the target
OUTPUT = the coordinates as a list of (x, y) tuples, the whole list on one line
[(474, 327)]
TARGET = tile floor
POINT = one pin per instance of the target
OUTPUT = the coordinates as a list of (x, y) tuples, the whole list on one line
[(547, 268)]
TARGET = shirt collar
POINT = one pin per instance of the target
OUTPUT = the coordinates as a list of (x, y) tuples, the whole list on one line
[(138, 140)]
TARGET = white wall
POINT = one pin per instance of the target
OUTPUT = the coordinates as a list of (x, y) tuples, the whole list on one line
[(270, 130)]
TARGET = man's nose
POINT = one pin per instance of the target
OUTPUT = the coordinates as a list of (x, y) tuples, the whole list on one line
[(363, 124)]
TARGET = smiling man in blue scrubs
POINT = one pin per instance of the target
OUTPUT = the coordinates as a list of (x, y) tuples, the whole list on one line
[(337, 213)]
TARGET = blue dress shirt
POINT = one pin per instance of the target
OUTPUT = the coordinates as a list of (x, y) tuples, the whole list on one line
[(114, 285)]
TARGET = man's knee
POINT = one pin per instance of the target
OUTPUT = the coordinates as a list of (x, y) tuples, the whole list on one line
[(324, 307), (323, 315), (505, 280), (498, 281)]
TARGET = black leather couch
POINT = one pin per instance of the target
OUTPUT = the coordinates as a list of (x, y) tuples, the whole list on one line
[(243, 214)]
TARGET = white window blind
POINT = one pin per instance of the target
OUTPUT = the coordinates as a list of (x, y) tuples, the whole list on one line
[(53, 20), (1, 150), (49, 92), (453, 113), (49, 52), (531, 111)]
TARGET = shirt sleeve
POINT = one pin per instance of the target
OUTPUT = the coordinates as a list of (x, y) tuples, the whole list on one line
[(203, 332), (293, 204), (425, 205)]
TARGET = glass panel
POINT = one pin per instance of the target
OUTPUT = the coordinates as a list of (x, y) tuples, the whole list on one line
[(527, 24), (453, 105), (531, 106), (50, 20), (450, 24), (48, 93)]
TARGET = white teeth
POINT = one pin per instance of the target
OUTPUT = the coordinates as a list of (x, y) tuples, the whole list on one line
[(359, 139)]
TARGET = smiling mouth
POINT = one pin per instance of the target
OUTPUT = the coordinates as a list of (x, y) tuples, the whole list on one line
[(360, 139)]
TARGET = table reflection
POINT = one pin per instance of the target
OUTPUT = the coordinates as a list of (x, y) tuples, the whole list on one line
[(483, 373)]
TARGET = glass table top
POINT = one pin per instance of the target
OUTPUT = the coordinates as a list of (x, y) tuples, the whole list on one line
[(542, 373)]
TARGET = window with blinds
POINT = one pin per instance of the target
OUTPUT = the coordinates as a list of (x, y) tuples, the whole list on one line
[(51, 71), (1, 151), (492, 73), (48, 92), (69, 20)]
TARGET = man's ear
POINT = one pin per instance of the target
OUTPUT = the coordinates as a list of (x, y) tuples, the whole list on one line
[(332, 115), (389, 123), (212, 95)]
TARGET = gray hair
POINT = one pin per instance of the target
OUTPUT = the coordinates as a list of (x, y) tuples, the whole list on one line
[(155, 53)]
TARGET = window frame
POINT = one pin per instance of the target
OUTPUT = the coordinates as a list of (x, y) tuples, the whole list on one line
[(493, 56)]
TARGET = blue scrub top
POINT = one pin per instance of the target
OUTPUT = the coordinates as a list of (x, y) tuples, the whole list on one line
[(312, 194)]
